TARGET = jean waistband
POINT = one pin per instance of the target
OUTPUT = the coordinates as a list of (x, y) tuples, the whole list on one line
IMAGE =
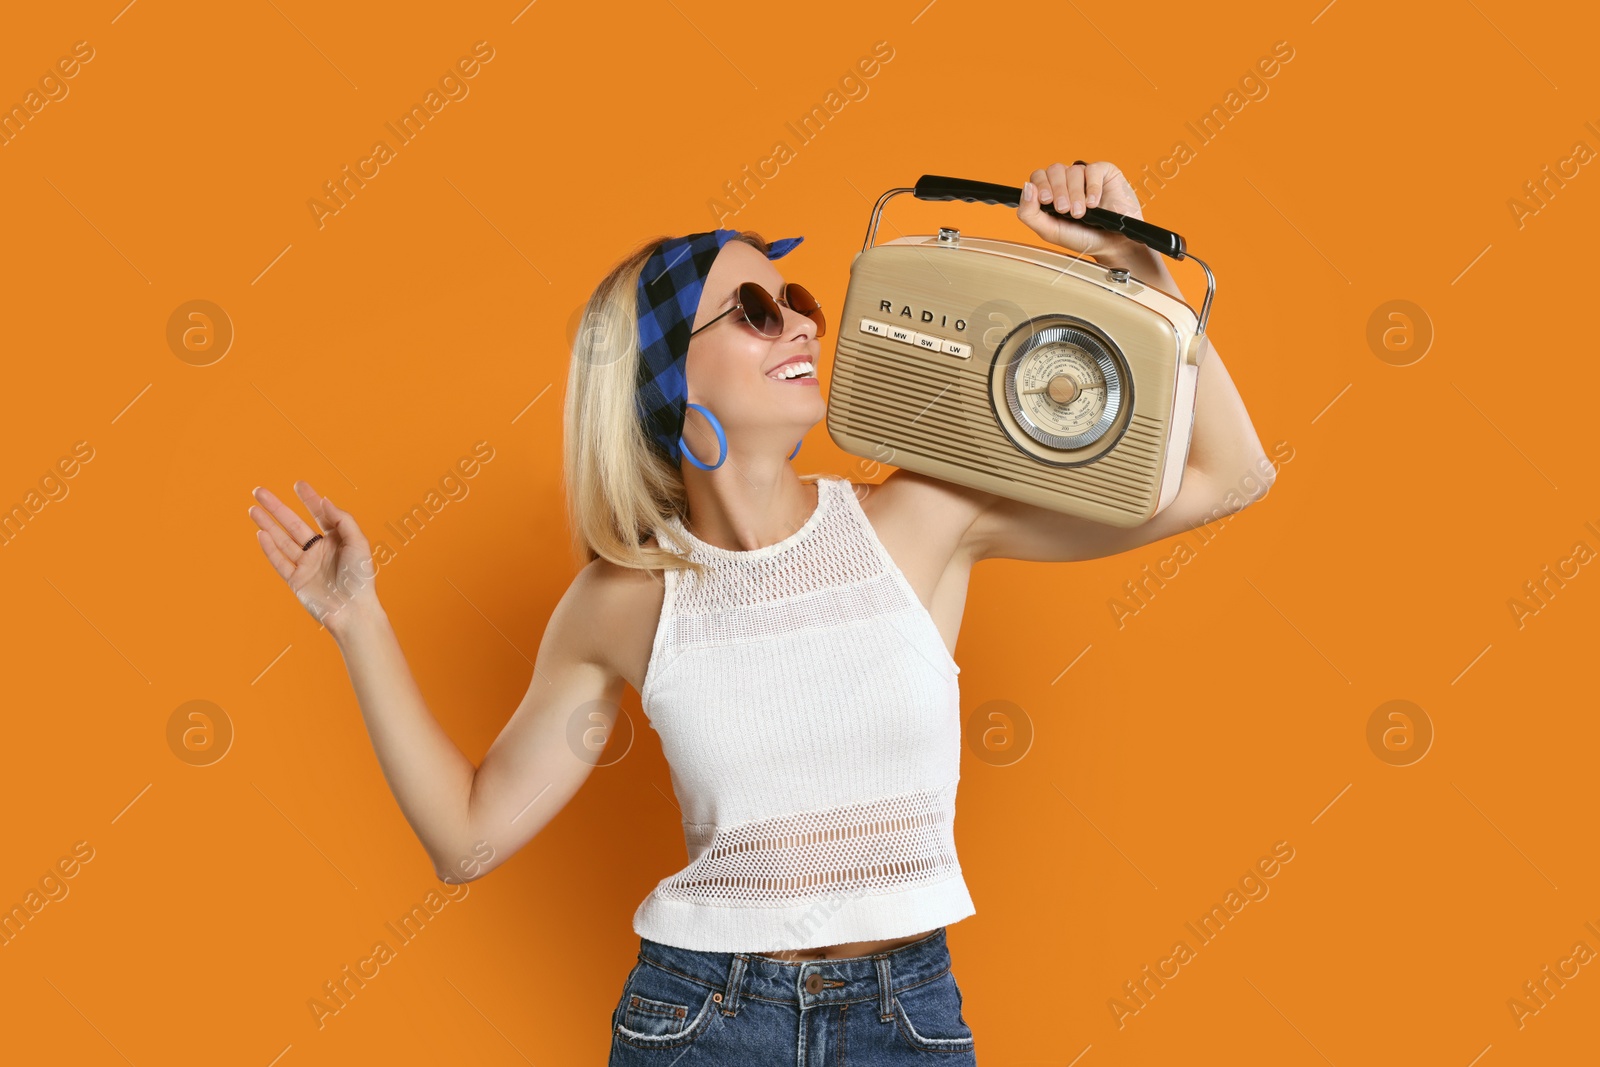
[(806, 983)]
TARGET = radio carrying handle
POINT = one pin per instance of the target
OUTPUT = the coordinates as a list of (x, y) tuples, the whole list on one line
[(939, 187)]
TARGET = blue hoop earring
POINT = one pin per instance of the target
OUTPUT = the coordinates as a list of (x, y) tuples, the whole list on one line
[(722, 442), (797, 445)]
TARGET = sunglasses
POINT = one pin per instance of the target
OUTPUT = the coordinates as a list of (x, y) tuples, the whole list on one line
[(764, 314)]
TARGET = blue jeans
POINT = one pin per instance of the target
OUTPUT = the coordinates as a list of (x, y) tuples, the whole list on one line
[(742, 1009)]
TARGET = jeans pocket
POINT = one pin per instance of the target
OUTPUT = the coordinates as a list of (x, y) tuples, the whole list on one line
[(928, 1016), (661, 1009)]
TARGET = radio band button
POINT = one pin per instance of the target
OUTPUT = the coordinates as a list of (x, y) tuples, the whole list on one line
[(931, 342)]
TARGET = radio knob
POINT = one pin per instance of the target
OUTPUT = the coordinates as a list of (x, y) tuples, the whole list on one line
[(947, 236), (1062, 389)]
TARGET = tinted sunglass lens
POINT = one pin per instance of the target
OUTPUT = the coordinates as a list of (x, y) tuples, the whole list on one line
[(802, 301), (760, 310)]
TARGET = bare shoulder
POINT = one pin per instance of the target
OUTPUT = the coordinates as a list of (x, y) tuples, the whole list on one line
[(610, 614), (908, 508)]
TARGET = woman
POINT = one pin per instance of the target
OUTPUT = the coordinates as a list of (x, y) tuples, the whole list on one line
[(790, 638)]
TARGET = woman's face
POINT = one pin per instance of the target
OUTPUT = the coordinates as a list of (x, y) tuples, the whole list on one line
[(730, 366)]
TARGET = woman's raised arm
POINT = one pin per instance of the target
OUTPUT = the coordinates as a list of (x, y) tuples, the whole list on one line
[(469, 819)]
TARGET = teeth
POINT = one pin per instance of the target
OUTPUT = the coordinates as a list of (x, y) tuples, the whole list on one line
[(793, 370)]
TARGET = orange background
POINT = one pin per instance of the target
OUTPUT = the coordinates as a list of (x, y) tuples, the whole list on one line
[(371, 353)]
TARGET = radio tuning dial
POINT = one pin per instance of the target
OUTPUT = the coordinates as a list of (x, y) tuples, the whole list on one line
[(1063, 391), (1064, 386)]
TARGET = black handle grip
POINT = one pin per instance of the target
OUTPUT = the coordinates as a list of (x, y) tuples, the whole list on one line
[(939, 187)]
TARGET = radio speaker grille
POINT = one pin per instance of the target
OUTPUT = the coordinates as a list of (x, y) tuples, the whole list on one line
[(956, 425)]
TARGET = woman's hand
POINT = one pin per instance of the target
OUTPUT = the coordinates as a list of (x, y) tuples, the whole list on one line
[(1074, 189), (334, 578)]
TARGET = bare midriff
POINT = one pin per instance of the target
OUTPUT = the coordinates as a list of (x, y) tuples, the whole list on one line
[(845, 951)]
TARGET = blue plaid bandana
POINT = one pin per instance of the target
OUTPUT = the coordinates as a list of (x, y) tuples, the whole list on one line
[(669, 296)]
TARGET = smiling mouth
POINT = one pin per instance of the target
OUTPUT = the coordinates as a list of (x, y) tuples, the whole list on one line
[(797, 371)]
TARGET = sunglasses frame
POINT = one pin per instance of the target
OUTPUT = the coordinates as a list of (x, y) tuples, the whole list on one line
[(781, 302)]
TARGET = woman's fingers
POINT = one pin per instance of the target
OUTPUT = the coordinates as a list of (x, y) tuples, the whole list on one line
[(291, 550), (279, 562), (313, 502), (1041, 184), (1094, 177), (286, 544), (1028, 209), (1060, 195), (341, 521), (1062, 186), (1065, 187), (298, 530)]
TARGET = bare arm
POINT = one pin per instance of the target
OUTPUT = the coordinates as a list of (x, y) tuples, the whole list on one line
[(427, 773), (469, 819), (472, 819), (544, 754)]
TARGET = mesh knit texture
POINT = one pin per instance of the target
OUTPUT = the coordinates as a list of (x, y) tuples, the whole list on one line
[(810, 715)]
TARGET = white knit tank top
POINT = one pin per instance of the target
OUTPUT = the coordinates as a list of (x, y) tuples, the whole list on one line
[(810, 715)]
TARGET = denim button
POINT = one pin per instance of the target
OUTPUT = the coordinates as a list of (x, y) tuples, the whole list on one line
[(814, 983)]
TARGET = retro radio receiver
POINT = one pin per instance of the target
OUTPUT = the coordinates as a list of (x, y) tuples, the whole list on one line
[(1026, 372)]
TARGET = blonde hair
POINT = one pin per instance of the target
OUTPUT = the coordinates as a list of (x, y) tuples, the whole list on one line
[(619, 487)]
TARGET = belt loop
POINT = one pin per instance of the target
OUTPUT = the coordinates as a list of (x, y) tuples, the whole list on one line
[(730, 995), (885, 1011)]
